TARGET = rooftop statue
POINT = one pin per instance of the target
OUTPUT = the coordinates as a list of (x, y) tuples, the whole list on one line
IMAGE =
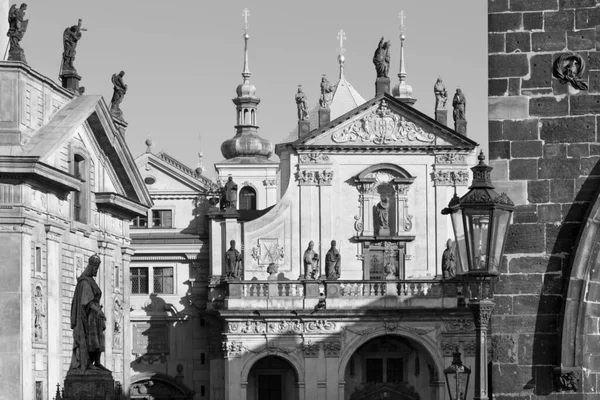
[(449, 260), (87, 321), (326, 89), (119, 91), (301, 104), (381, 58), (459, 102), (233, 260), (230, 194), (71, 37), (17, 26), (441, 95)]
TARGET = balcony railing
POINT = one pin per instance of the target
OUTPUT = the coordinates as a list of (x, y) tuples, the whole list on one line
[(346, 294)]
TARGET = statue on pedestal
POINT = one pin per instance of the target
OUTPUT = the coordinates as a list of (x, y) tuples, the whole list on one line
[(301, 104), (449, 260), (326, 89), (233, 260), (459, 102), (88, 322), (333, 262), (17, 26), (119, 90), (381, 58), (71, 36), (441, 95), (311, 262), (230, 194)]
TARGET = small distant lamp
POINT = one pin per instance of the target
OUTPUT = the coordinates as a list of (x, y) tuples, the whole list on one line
[(457, 378)]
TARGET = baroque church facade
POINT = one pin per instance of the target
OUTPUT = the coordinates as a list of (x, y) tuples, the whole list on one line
[(257, 321)]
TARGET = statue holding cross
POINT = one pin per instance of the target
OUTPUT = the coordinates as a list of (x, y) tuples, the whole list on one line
[(71, 36)]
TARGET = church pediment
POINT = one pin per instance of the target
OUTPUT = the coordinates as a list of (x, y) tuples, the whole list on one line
[(386, 122)]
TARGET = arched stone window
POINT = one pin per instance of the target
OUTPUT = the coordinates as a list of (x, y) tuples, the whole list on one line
[(80, 203), (247, 198)]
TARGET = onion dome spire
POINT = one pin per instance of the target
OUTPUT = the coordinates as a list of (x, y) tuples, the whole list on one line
[(246, 142), (403, 91)]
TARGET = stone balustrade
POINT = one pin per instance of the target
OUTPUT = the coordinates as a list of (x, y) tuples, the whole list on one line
[(342, 294)]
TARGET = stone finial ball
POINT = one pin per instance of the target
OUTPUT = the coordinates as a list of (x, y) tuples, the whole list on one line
[(148, 142)]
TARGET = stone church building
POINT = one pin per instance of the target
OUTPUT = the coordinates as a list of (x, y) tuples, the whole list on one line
[(318, 276)]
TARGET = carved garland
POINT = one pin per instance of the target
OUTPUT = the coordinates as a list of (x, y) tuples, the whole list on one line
[(314, 158), (450, 158), (281, 327)]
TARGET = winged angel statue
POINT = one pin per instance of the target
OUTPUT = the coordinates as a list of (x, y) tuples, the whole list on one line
[(382, 127)]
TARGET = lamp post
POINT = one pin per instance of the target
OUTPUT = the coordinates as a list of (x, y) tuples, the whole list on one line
[(480, 220), (457, 378)]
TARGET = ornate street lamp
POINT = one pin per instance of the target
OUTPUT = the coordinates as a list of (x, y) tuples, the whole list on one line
[(480, 220), (457, 378)]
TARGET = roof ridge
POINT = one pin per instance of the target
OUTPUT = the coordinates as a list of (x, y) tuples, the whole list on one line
[(182, 167)]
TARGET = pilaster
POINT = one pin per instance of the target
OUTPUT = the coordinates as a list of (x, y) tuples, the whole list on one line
[(54, 237), (126, 254)]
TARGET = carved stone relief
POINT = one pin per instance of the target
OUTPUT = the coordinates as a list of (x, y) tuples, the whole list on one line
[(310, 349), (39, 314), (450, 345), (382, 127), (314, 177), (450, 158), (118, 310), (78, 261), (281, 327), (459, 325), (332, 349), (450, 177), (232, 349), (268, 251), (314, 158)]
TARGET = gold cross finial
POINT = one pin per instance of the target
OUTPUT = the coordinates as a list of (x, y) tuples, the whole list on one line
[(341, 37), (246, 14), (401, 17)]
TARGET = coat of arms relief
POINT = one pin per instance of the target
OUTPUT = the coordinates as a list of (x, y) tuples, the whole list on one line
[(382, 127)]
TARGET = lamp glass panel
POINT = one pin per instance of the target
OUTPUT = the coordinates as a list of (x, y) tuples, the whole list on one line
[(459, 241), (499, 229), (477, 225), (457, 382)]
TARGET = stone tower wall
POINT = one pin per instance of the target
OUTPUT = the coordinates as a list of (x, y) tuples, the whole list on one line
[(544, 150)]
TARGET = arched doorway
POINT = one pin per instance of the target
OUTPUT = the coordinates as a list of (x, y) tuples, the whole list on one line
[(391, 367), (156, 386), (272, 378)]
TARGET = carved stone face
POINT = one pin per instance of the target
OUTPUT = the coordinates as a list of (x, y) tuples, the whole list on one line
[(333, 243), (232, 243), (311, 244), (95, 268)]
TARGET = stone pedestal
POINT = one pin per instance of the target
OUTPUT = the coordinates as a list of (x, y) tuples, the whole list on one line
[(17, 55), (90, 386), (460, 126), (324, 116), (441, 116), (383, 232), (70, 80), (304, 128), (382, 85), (121, 125)]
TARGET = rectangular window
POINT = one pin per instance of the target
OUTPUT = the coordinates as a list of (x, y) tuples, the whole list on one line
[(117, 276), (374, 370), (139, 280), (162, 218), (77, 206), (394, 370), (140, 222), (39, 390), (163, 280), (38, 259)]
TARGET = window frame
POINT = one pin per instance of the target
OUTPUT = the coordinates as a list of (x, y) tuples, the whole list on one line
[(80, 201), (253, 203), (161, 209), (132, 276), (154, 276)]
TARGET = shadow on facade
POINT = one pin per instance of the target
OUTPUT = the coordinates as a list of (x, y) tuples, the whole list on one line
[(156, 373), (562, 244)]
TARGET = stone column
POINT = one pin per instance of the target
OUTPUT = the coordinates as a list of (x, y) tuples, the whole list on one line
[(4, 7), (216, 248), (26, 311), (233, 370), (106, 250), (54, 312)]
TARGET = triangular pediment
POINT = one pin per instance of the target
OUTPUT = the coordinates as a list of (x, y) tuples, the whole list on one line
[(85, 123), (385, 122), (163, 173)]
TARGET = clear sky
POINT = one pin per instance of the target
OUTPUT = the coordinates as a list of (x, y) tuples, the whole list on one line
[(182, 60)]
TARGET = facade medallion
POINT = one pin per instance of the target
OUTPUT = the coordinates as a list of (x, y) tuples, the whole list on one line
[(268, 251)]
